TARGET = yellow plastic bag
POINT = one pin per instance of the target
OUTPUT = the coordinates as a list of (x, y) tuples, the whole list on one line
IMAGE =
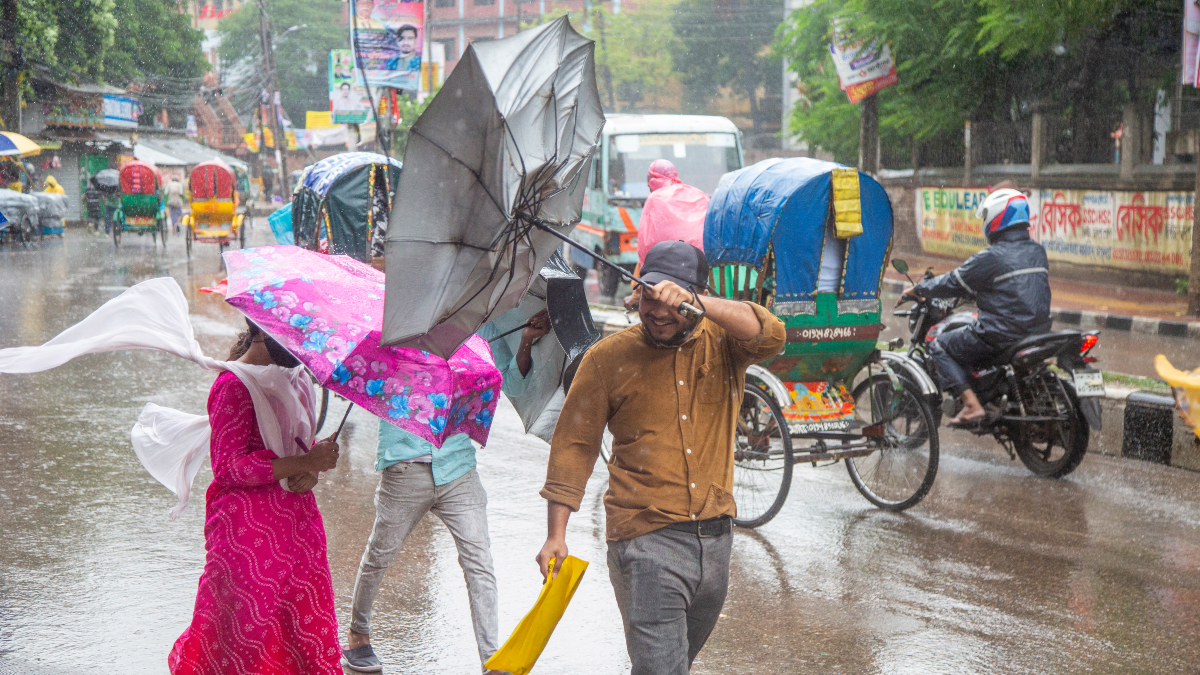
[(529, 638), (847, 204), (1186, 386)]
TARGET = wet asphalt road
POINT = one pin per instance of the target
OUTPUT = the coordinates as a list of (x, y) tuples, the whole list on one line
[(996, 571)]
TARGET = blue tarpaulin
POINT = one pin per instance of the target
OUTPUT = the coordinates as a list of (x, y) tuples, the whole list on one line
[(322, 174), (784, 205), (281, 225)]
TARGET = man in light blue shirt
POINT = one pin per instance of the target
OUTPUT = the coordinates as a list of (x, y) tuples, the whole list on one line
[(418, 478)]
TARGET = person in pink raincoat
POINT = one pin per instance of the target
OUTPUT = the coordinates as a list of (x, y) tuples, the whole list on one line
[(673, 211)]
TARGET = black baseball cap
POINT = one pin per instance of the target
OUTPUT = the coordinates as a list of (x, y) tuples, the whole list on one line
[(676, 261)]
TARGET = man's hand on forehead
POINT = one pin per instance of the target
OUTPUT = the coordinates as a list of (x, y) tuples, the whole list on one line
[(668, 293)]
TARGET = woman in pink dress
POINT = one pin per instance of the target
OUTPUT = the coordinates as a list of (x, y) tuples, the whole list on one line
[(265, 602)]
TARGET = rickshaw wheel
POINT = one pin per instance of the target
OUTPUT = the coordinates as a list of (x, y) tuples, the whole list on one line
[(241, 223), (116, 232), (900, 473), (163, 227), (187, 238), (762, 458)]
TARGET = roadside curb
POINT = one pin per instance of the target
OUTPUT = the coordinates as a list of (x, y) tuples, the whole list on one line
[(1136, 426), (1103, 320)]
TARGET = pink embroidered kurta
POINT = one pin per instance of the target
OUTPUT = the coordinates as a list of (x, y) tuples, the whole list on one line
[(265, 602)]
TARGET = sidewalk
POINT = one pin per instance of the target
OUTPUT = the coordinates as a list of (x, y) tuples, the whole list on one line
[(1088, 305)]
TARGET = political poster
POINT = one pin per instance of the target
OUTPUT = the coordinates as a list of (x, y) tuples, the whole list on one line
[(348, 99), (863, 68), (388, 35), (1146, 231)]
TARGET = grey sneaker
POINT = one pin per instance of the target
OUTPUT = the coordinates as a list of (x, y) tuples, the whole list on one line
[(362, 660)]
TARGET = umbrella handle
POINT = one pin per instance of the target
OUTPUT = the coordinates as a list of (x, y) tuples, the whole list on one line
[(339, 429), (523, 326), (684, 308)]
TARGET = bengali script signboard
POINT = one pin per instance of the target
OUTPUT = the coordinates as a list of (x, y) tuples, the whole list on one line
[(1149, 231)]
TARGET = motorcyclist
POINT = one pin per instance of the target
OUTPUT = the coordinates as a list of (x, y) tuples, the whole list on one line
[(1009, 282)]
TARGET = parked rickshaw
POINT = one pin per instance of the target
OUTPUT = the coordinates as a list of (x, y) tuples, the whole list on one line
[(809, 240), (336, 207), (143, 207), (214, 218), (341, 200)]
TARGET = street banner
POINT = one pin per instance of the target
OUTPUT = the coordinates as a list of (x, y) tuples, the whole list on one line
[(1146, 231), (388, 35), (318, 119), (1191, 41), (348, 99), (863, 68)]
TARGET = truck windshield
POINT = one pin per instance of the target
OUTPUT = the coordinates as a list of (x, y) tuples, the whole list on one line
[(701, 159)]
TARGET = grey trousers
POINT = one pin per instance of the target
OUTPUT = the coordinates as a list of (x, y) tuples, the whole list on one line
[(670, 588), (405, 494)]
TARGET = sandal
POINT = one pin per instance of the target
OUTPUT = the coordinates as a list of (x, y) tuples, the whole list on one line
[(362, 660)]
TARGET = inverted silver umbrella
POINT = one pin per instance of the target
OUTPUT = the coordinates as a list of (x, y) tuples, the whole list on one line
[(555, 357), (495, 167)]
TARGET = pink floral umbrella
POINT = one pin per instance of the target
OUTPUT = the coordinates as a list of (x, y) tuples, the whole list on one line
[(328, 312)]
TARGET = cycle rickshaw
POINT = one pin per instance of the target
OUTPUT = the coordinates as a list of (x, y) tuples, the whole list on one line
[(337, 206), (809, 240), (214, 218), (341, 200), (143, 209)]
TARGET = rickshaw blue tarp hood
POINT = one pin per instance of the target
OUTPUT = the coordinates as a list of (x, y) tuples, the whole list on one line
[(784, 204), (322, 174)]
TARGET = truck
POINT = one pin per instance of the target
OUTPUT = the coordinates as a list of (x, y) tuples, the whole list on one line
[(703, 148)]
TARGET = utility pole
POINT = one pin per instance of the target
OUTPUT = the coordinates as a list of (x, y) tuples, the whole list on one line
[(868, 135), (12, 63), (608, 83), (273, 100), (1194, 272)]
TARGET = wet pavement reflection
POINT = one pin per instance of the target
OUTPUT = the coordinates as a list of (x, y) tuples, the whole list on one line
[(996, 571)]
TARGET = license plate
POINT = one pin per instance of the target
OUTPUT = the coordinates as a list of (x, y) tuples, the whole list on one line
[(1088, 383)]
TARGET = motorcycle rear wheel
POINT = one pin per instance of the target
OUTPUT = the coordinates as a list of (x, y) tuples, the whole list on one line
[(1052, 449)]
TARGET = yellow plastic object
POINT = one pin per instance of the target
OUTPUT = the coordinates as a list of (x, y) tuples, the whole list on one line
[(529, 638), (1186, 386), (847, 204)]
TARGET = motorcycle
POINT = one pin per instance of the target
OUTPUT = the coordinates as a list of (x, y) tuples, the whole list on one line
[(1040, 396)]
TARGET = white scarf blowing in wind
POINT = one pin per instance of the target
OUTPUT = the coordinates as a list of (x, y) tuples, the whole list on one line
[(172, 444)]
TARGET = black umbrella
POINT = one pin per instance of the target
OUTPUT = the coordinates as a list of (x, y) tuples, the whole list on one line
[(560, 292), (109, 180)]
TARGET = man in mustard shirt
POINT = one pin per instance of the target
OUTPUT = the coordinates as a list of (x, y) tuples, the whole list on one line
[(669, 389)]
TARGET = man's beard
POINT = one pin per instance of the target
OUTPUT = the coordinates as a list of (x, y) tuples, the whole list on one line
[(676, 339)]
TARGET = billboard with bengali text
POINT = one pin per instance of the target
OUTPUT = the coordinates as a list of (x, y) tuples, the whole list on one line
[(1145, 231), (388, 35), (348, 99)]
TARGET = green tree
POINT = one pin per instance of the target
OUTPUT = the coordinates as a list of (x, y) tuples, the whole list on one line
[(301, 56), (985, 61), (154, 39), (726, 44), (634, 66)]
